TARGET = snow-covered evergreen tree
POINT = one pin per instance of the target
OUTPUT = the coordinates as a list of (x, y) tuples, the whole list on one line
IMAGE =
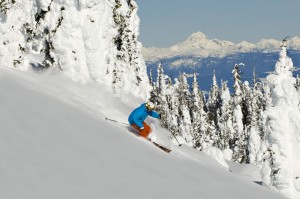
[(266, 96), (161, 79), (85, 40), (255, 129), (213, 111), (174, 108), (151, 79), (226, 130), (298, 82), (154, 89), (213, 102), (238, 143), (162, 95), (184, 99), (247, 103), (261, 97), (211, 135), (198, 116), (247, 110), (281, 147), (4, 7)]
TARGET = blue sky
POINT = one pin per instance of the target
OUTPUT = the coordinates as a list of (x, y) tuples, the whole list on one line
[(166, 22)]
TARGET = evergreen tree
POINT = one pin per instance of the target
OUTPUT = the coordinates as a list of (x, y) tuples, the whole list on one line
[(184, 99), (298, 86), (259, 102), (225, 119), (266, 96), (151, 79), (174, 108), (210, 136), (254, 130), (126, 43), (280, 148), (298, 82), (254, 80), (4, 6), (238, 142), (172, 111), (160, 81), (247, 110), (161, 101), (198, 116), (101, 46), (154, 92), (213, 106), (246, 103), (213, 102)]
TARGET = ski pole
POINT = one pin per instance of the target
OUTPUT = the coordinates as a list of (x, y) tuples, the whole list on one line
[(116, 121), (176, 138)]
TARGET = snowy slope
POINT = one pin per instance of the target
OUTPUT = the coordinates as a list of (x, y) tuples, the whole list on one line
[(54, 143)]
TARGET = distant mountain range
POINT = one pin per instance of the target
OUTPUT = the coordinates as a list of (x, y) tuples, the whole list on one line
[(198, 44), (203, 55)]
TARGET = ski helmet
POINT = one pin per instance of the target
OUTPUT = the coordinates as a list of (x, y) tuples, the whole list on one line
[(150, 105)]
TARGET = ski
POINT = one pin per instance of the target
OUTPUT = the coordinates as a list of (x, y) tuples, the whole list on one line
[(161, 147)]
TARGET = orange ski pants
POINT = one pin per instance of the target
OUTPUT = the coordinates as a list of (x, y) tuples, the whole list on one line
[(143, 132)]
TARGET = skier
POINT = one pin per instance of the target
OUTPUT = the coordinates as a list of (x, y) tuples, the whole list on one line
[(137, 117)]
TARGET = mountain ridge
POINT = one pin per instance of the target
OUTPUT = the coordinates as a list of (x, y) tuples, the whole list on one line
[(200, 45)]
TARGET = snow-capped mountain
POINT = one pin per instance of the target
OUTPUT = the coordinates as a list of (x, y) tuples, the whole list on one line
[(201, 41), (199, 45), (204, 56)]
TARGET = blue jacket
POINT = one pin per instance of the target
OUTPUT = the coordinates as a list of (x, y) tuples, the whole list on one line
[(139, 114)]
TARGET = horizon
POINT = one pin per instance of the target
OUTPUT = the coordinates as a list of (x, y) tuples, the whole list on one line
[(165, 23)]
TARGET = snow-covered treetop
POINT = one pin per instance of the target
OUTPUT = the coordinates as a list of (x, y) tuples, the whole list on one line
[(285, 64), (281, 159), (91, 40)]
